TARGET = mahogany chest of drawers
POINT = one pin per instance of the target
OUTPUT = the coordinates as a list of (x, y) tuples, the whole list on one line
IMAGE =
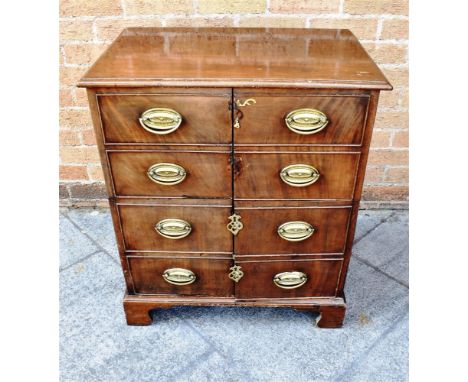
[(234, 161)]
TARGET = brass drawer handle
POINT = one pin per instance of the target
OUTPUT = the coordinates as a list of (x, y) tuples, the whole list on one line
[(179, 276), (173, 228), (167, 174), (299, 175), (306, 121), (295, 231), (290, 280), (160, 121)]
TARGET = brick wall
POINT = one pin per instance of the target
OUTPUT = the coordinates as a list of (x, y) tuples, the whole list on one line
[(87, 28)]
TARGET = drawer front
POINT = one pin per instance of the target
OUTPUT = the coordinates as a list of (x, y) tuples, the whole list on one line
[(199, 174), (260, 235), (204, 118), (206, 232), (264, 121), (302, 278), (186, 276), (258, 175)]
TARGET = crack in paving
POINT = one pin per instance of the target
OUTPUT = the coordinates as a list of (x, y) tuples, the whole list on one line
[(100, 247)]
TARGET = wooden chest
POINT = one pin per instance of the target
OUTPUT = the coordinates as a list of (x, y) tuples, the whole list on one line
[(234, 161)]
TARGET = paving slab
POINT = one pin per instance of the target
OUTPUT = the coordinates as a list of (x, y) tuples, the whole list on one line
[(283, 344), (386, 247), (379, 364), (97, 224), (97, 345), (231, 344), (368, 220), (214, 367), (73, 245)]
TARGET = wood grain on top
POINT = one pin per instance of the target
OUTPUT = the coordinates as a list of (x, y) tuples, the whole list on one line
[(236, 57)]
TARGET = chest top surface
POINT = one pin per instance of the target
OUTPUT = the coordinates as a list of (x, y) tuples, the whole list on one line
[(236, 57)]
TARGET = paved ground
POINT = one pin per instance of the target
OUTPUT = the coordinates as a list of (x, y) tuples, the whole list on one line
[(232, 344)]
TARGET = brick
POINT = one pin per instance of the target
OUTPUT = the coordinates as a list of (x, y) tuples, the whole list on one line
[(273, 22), (74, 118), (360, 7), (365, 29), (200, 22), (73, 173), (388, 53), (401, 139), (79, 155), (374, 174), (89, 138), (385, 193), (404, 102), (397, 175), (88, 191), (398, 77), (231, 6), (388, 157), (108, 30), (81, 97), (63, 192), (151, 7), (70, 76), (83, 54), (305, 6), (73, 8), (76, 30), (95, 173), (380, 139), (394, 30), (66, 97), (392, 119), (69, 138), (390, 100)]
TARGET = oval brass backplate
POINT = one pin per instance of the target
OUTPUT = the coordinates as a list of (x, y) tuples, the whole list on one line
[(173, 228), (179, 276), (306, 121), (290, 280), (299, 175), (167, 174), (160, 121), (295, 231)]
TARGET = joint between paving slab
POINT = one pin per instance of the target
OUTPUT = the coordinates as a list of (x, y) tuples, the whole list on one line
[(365, 262), (345, 376), (101, 248), (215, 348), (192, 364), (384, 220), (79, 261)]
